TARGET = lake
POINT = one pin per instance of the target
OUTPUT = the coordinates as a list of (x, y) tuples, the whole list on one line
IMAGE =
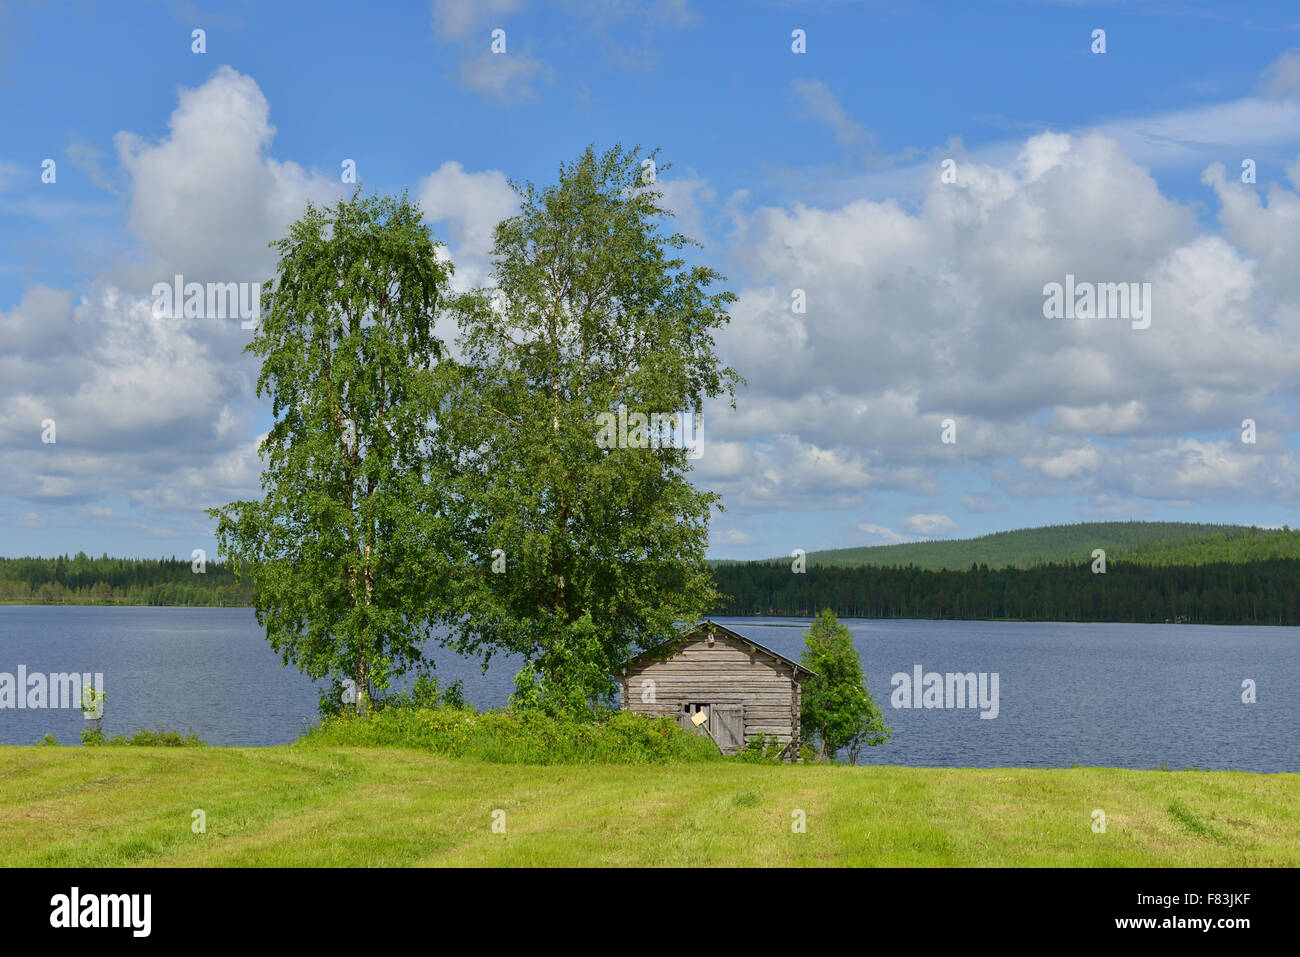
[(1118, 695)]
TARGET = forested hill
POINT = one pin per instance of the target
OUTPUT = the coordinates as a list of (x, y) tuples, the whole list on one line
[(1155, 543), (82, 580), (1155, 571), (1240, 593)]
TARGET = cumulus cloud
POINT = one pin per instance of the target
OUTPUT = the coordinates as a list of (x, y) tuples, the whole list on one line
[(156, 411), (919, 313), (207, 198), (469, 205)]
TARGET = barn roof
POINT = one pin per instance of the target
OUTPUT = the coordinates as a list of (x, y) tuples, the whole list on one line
[(654, 653)]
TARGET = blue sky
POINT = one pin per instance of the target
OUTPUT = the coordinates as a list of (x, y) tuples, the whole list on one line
[(817, 171)]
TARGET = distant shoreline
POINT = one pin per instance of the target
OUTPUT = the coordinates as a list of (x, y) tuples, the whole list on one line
[(723, 614)]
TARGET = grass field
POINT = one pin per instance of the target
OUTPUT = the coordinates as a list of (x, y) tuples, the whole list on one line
[(309, 806)]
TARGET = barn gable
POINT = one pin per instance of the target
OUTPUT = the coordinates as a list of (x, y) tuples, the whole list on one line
[(745, 688)]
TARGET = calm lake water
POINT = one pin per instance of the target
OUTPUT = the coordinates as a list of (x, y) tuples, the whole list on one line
[(1116, 695)]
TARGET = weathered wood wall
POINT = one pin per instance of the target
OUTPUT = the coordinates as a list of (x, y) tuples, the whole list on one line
[(726, 672)]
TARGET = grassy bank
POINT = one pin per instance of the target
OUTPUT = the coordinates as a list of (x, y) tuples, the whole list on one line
[(309, 805)]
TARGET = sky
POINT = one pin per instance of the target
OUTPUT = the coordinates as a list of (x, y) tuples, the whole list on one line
[(918, 177)]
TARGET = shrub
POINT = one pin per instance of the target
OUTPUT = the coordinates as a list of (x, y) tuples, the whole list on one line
[(517, 735), (158, 737), (425, 693), (761, 749)]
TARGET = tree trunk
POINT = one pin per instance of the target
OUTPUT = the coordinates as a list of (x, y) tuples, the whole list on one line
[(362, 678)]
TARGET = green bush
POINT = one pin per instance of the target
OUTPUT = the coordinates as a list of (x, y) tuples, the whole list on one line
[(760, 749), (158, 737), (425, 693), (517, 735)]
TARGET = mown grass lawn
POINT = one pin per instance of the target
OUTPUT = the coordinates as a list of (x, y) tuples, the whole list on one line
[(333, 806)]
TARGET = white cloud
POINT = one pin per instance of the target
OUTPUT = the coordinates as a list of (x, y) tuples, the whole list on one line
[(1068, 464), (734, 536), (459, 20), (206, 199), (626, 33), (506, 78), (1282, 77), (466, 26), (821, 104), (879, 534), (470, 205), (918, 314), (683, 196), (929, 525), (155, 410), (1102, 419)]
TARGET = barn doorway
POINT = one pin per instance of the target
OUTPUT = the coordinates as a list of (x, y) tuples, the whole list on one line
[(725, 723)]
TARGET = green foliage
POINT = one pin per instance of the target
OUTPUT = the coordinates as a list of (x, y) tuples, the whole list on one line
[(347, 550), (577, 682), (49, 741), (82, 580), (592, 308), (517, 736), (92, 700), (836, 705), (760, 749), (425, 692), (157, 737), (1264, 592)]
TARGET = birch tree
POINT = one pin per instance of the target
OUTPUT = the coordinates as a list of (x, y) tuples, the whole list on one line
[(347, 546)]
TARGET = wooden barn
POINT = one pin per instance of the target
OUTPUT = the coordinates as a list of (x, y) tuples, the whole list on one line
[(744, 689)]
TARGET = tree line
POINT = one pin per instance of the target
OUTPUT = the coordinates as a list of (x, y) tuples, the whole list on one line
[(1253, 593), (82, 580), (1262, 592)]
